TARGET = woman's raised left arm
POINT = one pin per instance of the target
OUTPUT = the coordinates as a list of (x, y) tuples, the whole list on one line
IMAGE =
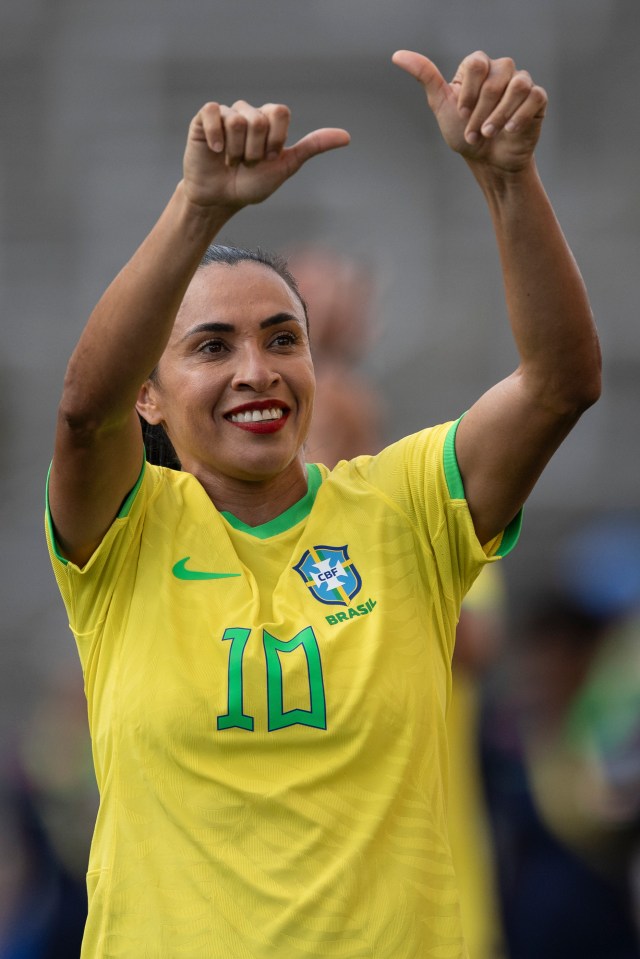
[(491, 113)]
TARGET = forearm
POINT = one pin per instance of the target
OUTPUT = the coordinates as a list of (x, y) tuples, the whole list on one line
[(546, 299), (129, 327)]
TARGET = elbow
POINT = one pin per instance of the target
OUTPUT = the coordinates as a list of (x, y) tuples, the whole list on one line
[(579, 388), (589, 387), (585, 391), (76, 423), (80, 414), (593, 389), (75, 410), (565, 399), (580, 375), (592, 392)]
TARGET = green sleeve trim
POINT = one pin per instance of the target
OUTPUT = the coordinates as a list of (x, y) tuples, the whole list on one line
[(511, 534), (290, 517), (122, 512), (49, 522), (125, 509), (450, 462)]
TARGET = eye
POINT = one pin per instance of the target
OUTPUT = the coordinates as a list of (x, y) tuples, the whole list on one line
[(284, 338), (212, 346)]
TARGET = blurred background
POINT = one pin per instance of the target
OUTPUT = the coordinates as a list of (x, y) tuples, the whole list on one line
[(95, 100)]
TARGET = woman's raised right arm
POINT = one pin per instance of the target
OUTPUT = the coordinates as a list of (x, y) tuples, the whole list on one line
[(235, 156)]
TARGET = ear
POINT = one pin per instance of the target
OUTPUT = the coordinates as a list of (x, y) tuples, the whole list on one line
[(147, 404)]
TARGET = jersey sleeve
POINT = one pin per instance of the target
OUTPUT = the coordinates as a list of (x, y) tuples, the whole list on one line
[(420, 475), (87, 591)]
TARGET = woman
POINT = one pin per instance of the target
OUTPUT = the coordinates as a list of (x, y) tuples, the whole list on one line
[(267, 645)]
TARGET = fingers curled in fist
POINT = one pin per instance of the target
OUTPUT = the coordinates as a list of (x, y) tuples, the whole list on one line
[(243, 133), (493, 95)]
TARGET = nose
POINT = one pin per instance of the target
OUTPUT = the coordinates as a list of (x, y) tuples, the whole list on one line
[(254, 370)]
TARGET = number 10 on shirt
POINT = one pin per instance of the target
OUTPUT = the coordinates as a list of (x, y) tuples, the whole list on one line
[(274, 648)]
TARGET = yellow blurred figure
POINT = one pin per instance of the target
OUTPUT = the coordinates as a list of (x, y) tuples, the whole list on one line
[(477, 642)]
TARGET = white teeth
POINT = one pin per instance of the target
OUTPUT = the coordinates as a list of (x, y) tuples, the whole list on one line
[(256, 416)]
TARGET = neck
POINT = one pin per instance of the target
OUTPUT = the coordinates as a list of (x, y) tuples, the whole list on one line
[(255, 502)]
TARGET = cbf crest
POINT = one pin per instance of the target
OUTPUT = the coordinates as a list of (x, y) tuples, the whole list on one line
[(329, 574)]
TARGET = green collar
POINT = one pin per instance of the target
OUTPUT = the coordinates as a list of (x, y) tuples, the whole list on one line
[(290, 517)]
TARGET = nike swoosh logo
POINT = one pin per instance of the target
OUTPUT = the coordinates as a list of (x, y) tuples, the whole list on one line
[(180, 571)]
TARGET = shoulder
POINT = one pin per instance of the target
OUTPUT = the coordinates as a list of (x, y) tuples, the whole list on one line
[(431, 450), (416, 476)]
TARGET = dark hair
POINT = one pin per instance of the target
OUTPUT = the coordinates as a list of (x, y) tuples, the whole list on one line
[(158, 447), (231, 255)]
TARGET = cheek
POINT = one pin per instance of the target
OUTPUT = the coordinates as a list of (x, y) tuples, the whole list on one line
[(197, 392), (310, 377), (309, 393), (183, 405), (306, 385)]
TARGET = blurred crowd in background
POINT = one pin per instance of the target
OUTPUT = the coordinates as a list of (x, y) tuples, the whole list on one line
[(544, 722)]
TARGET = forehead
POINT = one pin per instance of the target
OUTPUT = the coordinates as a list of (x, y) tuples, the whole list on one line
[(246, 292)]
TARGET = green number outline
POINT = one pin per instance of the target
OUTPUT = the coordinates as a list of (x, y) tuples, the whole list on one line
[(278, 718), (235, 716)]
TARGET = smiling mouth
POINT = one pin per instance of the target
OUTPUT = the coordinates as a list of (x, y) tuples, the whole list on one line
[(256, 416), (259, 418)]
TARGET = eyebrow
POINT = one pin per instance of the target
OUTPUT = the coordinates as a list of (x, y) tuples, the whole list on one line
[(218, 327)]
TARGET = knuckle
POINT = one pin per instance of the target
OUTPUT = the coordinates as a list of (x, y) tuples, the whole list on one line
[(522, 82), (540, 95), (260, 123), (236, 122), (494, 86), (477, 62), (505, 64), (279, 111)]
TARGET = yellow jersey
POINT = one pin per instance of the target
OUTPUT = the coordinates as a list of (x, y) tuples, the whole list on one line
[(267, 711)]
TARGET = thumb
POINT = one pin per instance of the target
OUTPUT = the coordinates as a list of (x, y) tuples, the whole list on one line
[(319, 141), (426, 73)]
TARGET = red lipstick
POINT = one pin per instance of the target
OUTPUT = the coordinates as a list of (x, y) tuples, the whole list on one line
[(272, 418)]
